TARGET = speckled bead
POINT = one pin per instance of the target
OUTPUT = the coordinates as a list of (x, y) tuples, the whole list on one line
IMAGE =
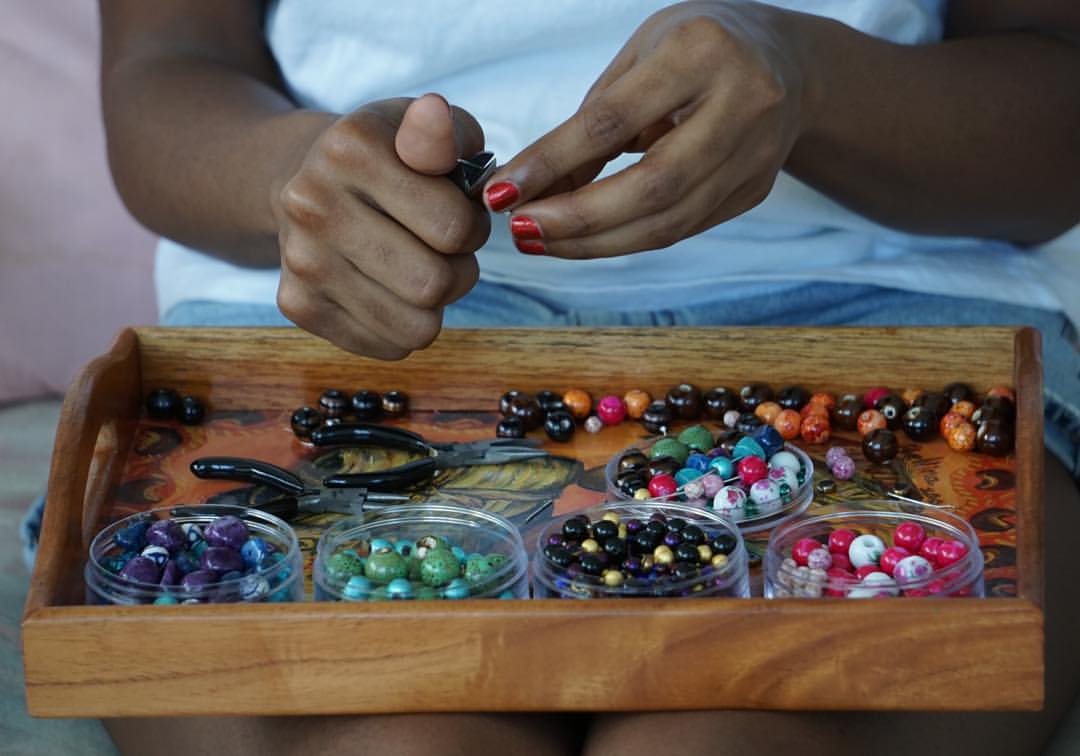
[(815, 429), (843, 468), (785, 459), (766, 494), (730, 502), (911, 569), (781, 475), (834, 453), (159, 554), (869, 421), (384, 566), (768, 411), (819, 559), (961, 437), (439, 567), (865, 549), (787, 424), (167, 534)]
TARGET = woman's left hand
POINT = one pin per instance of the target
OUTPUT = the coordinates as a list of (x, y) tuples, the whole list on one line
[(711, 92)]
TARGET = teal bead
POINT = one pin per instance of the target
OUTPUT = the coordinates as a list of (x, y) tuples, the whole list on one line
[(399, 588), (405, 548), (670, 447), (384, 566), (697, 437), (723, 467), (357, 589), (439, 568), (342, 566), (459, 553), (426, 593), (785, 492), (687, 474), (166, 599), (496, 560), (477, 569), (379, 544), (458, 589), (474, 555), (507, 595), (379, 594), (747, 447)]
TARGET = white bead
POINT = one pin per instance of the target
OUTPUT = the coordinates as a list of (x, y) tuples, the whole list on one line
[(819, 559), (785, 459), (730, 502), (874, 585), (779, 474), (766, 494), (593, 424), (731, 418), (912, 568), (864, 550), (159, 554)]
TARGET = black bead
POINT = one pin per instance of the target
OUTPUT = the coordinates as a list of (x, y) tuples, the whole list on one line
[(549, 400), (793, 397), (615, 548), (305, 421), (642, 542), (845, 415), (656, 529), (753, 394), (892, 408), (995, 437), (333, 403), (719, 401), (723, 543), (920, 424), (559, 425), (676, 524), (693, 534), (747, 422), (163, 404), (727, 440), (958, 392), (604, 529), (880, 446), (685, 570), (510, 427), (591, 564), (632, 462), (685, 401), (525, 407), (505, 401), (686, 552), (367, 405), (559, 555), (999, 407), (395, 403), (191, 411), (657, 417), (663, 466), (630, 482), (576, 528), (935, 402)]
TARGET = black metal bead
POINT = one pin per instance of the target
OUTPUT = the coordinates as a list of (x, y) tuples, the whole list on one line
[(631, 462), (506, 399), (723, 543), (395, 403), (191, 411), (747, 422), (615, 548), (693, 534), (631, 481), (163, 404), (845, 415), (935, 402), (591, 564), (663, 466), (676, 524), (686, 552), (560, 556), (510, 427), (920, 424), (685, 570), (559, 425), (549, 401), (793, 397), (642, 542), (527, 409), (305, 421), (576, 528), (892, 408), (719, 401), (333, 403), (753, 394), (995, 437), (958, 392), (367, 405), (657, 417), (656, 529), (880, 446), (685, 401), (604, 529)]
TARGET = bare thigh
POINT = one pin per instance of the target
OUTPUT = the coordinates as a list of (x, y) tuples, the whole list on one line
[(883, 733)]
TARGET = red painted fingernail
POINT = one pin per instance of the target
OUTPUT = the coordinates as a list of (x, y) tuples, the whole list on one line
[(530, 246), (501, 195), (524, 227)]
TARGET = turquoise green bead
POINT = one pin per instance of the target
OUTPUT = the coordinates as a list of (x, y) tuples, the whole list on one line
[(747, 447), (477, 569), (384, 566), (497, 560), (697, 437), (379, 544), (426, 593), (458, 589), (687, 474), (163, 600), (412, 567), (723, 467), (459, 553), (399, 588), (357, 589), (405, 548), (785, 492), (439, 567), (342, 566), (670, 447), (379, 594)]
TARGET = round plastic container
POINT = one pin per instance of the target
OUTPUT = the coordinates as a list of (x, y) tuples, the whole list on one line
[(731, 580), (767, 515), (470, 534), (962, 578), (277, 576)]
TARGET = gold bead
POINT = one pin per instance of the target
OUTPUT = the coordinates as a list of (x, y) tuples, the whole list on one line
[(613, 578), (647, 562), (590, 546), (611, 517), (704, 552), (719, 561), (663, 555), (623, 532), (642, 494)]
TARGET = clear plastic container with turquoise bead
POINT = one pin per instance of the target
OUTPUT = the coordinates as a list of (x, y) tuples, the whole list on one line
[(879, 518), (280, 577), (763, 515), (488, 556), (730, 580)]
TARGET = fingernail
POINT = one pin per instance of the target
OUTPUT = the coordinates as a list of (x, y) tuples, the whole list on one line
[(530, 246), (501, 195), (524, 227), (436, 94)]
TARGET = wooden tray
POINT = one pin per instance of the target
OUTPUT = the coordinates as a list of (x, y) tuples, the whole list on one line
[(322, 658)]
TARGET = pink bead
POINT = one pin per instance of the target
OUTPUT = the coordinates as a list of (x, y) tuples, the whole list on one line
[(865, 570), (801, 551), (611, 409), (929, 548), (909, 535), (834, 453), (662, 485), (819, 558), (843, 468), (951, 552), (838, 576), (840, 541), (750, 470), (712, 483), (891, 557), (842, 561), (870, 398)]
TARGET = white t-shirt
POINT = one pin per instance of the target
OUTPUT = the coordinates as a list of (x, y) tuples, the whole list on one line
[(522, 68)]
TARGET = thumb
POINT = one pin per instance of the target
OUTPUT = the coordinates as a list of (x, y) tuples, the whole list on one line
[(433, 135)]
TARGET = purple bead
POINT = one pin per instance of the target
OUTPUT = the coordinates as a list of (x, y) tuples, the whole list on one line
[(719, 451), (555, 540), (843, 468), (633, 526), (172, 573), (142, 570), (228, 531), (834, 453), (222, 559), (632, 565), (199, 579), (657, 517), (167, 534), (672, 539)]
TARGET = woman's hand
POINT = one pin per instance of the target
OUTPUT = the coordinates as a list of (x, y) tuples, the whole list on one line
[(374, 240), (713, 95)]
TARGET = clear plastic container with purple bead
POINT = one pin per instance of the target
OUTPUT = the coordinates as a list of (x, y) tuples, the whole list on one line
[(781, 489), (563, 565), (212, 553)]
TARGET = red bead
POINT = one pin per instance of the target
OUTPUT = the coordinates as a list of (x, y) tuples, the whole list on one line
[(611, 410), (929, 548), (815, 428), (951, 552), (935, 587), (751, 469), (915, 592), (865, 570), (870, 398), (869, 421), (662, 485), (801, 551), (842, 561), (840, 541), (837, 575), (909, 535), (890, 557)]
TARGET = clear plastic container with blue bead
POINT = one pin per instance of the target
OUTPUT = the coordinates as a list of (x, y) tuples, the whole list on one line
[(650, 549), (421, 551), (703, 470), (211, 553)]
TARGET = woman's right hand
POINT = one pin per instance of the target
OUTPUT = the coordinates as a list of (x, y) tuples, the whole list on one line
[(375, 240)]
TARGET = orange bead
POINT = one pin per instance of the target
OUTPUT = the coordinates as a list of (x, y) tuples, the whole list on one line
[(787, 424), (636, 403), (578, 402), (910, 395), (767, 411), (814, 408), (815, 429), (826, 400), (1004, 391), (950, 421), (869, 421), (961, 437), (967, 409)]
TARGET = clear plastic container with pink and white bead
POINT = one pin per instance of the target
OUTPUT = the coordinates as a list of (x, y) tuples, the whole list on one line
[(875, 551)]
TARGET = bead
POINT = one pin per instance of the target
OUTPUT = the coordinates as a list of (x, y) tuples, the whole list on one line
[(995, 437), (636, 401), (510, 427), (159, 554), (339, 567), (834, 453), (559, 425), (961, 437), (167, 534), (865, 549), (548, 401), (399, 588), (663, 555), (593, 424), (958, 392), (670, 447), (662, 485), (506, 399), (704, 552), (787, 424), (892, 408), (911, 569), (731, 418), (166, 600), (685, 401), (815, 429), (747, 447), (198, 580), (845, 415), (880, 446), (800, 552), (730, 501), (333, 403), (395, 403), (869, 421), (950, 552), (767, 411), (590, 545), (751, 470), (814, 408), (723, 543), (366, 405), (357, 589), (641, 494), (697, 437), (719, 401), (841, 561), (753, 394), (221, 559), (578, 402), (844, 469), (698, 461), (613, 578), (384, 566), (819, 559), (687, 475), (824, 400), (163, 404), (891, 557), (723, 467), (768, 438), (911, 395), (747, 422), (171, 574), (793, 397), (527, 409), (719, 561), (305, 421), (632, 461), (781, 475), (191, 411), (935, 402), (964, 408), (766, 494), (786, 459), (141, 569), (871, 396), (657, 417), (919, 424), (228, 531), (611, 410), (909, 535), (457, 589), (949, 421), (725, 442), (875, 585)]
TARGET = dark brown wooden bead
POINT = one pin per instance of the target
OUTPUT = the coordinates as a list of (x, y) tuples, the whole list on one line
[(663, 466), (632, 462), (367, 405), (510, 427), (657, 417), (880, 446), (892, 409), (995, 437), (793, 397), (845, 415), (720, 400), (685, 401), (920, 424), (935, 402), (753, 394), (527, 409), (958, 392), (505, 400), (333, 403), (305, 421), (395, 403), (549, 401)]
